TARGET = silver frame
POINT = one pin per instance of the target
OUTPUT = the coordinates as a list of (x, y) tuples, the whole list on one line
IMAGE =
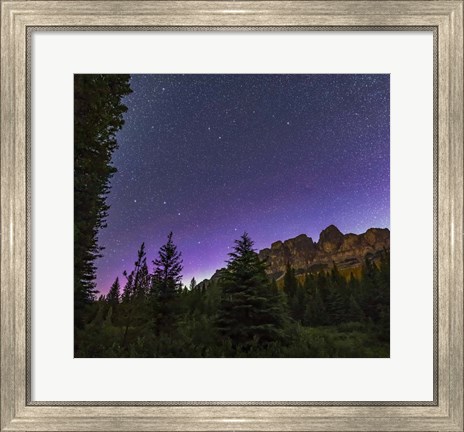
[(20, 19)]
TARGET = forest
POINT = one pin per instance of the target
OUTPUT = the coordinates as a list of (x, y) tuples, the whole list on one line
[(242, 313), (239, 313)]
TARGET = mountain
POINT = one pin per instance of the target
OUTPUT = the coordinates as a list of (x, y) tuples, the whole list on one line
[(347, 251)]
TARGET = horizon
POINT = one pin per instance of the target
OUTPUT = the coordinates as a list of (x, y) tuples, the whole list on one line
[(186, 282), (209, 157)]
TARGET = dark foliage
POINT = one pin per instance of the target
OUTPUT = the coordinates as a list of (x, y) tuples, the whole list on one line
[(241, 314), (98, 115), (166, 287), (250, 312)]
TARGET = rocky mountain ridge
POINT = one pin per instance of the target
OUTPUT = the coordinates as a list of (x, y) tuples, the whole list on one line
[(347, 251)]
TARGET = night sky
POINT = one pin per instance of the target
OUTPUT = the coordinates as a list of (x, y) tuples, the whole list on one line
[(211, 156)]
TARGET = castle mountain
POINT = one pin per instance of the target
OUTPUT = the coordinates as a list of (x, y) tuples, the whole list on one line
[(304, 255), (346, 251)]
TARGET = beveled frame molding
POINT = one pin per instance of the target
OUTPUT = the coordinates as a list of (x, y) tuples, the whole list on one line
[(19, 414)]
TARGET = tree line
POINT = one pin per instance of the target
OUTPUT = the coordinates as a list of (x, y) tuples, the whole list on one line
[(241, 313)]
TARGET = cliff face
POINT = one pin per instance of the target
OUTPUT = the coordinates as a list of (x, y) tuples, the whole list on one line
[(347, 251)]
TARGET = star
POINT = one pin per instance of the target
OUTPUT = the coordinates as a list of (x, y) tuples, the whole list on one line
[(272, 180)]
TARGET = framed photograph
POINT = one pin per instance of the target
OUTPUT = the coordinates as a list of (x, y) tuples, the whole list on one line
[(231, 215)]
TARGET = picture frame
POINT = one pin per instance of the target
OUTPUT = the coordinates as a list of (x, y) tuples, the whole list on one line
[(20, 413)]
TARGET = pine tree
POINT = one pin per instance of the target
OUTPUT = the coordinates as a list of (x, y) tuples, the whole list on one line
[(337, 304), (166, 285), (383, 297), (113, 295), (278, 302), (250, 310), (319, 302), (126, 307), (290, 282), (128, 290), (98, 115), (132, 312), (193, 284), (318, 309), (296, 294), (355, 312), (369, 290), (141, 275)]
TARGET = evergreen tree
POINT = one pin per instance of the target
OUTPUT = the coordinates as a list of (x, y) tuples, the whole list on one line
[(113, 295), (296, 297), (98, 115), (354, 287), (309, 288), (249, 311), (290, 281), (128, 290), (383, 295), (319, 300), (133, 309), (166, 285), (126, 307), (369, 290), (193, 284), (318, 309), (355, 312), (141, 274), (337, 300), (299, 304)]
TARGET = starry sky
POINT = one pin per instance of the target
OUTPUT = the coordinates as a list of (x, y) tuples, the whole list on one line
[(211, 156)]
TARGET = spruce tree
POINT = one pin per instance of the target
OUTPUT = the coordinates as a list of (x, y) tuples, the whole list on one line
[(132, 312), (128, 290), (383, 297), (318, 309), (296, 294), (369, 290), (98, 115), (339, 294), (355, 313), (166, 285), (193, 284), (290, 282), (141, 275), (250, 310), (114, 293)]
